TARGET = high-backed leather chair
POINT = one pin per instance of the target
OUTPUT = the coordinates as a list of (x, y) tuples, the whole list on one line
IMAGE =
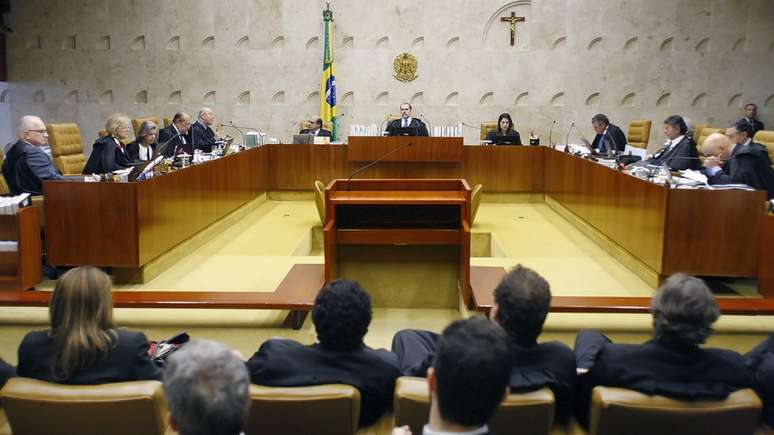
[(486, 127), (168, 121), (697, 129), (137, 122), (322, 410), (639, 133), (66, 147), (532, 413), (705, 132), (3, 185), (618, 411), (475, 202), (766, 138), (319, 199), (37, 407)]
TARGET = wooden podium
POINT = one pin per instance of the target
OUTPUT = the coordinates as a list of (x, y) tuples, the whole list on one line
[(398, 212), (414, 148)]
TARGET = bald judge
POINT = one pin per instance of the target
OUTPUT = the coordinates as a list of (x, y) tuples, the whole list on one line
[(725, 164)]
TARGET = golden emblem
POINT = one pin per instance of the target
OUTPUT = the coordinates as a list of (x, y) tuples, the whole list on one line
[(405, 66)]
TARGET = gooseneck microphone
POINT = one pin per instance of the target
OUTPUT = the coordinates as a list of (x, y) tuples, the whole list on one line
[(160, 149), (384, 124), (384, 156), (550, 130), (427, 124), (567, 141)]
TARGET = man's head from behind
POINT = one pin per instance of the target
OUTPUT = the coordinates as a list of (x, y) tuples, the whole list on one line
[(683, 310), (32, 130), (208, 390), (717, 145), (341, 315), (470, 374), (521, 304)]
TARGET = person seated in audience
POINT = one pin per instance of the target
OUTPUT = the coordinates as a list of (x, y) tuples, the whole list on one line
[(760, 361), (341, 315), (173, 136), (83, 346), (521, 303), (26, 166), (316, 129), (504, 134), (108, 153), (201, 136), (609, 136), (7, 371), (141, 149), (415, 126), (679, 151), (207, 388), (468, 379), (751, 118), (672, 363), (741, 163)]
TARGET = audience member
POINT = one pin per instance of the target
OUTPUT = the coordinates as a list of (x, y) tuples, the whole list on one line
[(141, 149), (173, 136), (26, 166), (201, 136), (751, 118), (6, 371), (207, 389), (83, 345), (108, 153), (341, 315), (521, 302), (741, 163), (760, 361), (672, 363)]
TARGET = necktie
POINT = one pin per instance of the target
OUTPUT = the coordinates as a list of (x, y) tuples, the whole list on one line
[(405, 122), (602, 146)]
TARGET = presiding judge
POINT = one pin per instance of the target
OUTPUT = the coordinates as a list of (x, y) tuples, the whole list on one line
[(108, 153)]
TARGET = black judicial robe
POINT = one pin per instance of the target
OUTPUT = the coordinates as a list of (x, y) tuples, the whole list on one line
[(286, 363), (682, 156), (760, 362), (614, 137), (107, 156), (6, 371), (167, 133), (492, 136), (748, 165), (200, 136), (394, 125), (755, 124), (133, 150)]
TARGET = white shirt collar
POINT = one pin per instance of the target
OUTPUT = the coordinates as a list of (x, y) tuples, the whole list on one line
[(482, 430), (675, 141)]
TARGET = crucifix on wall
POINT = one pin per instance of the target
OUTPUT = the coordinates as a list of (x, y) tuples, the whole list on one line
[(513, 19)]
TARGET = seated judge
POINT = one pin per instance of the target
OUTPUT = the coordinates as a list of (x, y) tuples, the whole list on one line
[(751, 118), (418, 128), (521, 303), (108, 153), (201, 136), (673, 363), (341, 315), (609, 137), (742, 137), (83, 345), (736, 163), (316, 129), (141, 149), (504, 134), (174, 135), (26, 166), (679, 152)]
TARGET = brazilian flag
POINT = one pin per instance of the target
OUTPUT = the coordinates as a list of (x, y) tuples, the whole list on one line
[(328, 82)]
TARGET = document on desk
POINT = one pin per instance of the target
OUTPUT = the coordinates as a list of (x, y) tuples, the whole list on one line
[(694, 176)]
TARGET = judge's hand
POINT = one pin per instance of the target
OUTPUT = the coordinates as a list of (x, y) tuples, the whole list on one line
[(711, 162), (403, 430)]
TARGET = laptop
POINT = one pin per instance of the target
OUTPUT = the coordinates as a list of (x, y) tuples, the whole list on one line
[(304, 139), (504, 140)]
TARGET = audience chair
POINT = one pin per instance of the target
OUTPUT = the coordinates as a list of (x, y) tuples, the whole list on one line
[(532, 413), (319, 200), (486, 127), (618, 410), (66, 148), (475, 202), (167, 121), (137, 122), (639, 133), (3, 185), (766, 138), (697, 129), (321, 409), (705, 132), (37, 407)]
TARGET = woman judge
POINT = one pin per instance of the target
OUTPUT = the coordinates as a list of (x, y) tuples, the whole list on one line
[(504, 134), (141, 149), (108, 153)]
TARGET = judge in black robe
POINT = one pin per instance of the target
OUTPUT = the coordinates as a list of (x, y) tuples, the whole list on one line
[(107, 155), (747, 164), (504, 134), (417, 126), (201, 136), (611, 139), (173, 137)]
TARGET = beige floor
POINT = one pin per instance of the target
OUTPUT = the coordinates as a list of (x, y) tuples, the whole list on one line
[(257, 252)]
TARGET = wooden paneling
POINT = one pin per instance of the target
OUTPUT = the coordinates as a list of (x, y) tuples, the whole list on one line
[(404, 149), (504, 168)]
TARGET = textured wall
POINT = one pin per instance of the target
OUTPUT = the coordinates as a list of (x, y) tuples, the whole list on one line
[(258, 62)]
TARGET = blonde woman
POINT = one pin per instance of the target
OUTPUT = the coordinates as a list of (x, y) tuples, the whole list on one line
[(83, 345), (108, 153)]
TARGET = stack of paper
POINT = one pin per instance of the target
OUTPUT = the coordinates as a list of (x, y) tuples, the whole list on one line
[(12, 204)]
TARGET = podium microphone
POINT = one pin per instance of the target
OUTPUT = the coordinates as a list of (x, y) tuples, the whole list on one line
[(567, 141), (363, 168), (427, 123), (550, 130), (163, 147), (382, 125)]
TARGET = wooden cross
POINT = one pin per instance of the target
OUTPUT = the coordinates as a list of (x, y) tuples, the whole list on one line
[(513, 19)]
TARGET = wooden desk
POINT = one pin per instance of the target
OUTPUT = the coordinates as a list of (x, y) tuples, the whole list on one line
[(406, 148)]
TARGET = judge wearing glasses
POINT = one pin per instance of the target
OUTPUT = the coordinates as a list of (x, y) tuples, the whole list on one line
[(26, 166)]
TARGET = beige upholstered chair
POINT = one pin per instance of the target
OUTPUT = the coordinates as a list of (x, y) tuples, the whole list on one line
[(532, 413), (475, 202), (37, 407), (639, 133), (486, 127), (319, 200), (697, 129), (705, 132), (137, 122), (617, 411), (766, 138), (3, 185), (322, 410), (167, 121), (66, 147)]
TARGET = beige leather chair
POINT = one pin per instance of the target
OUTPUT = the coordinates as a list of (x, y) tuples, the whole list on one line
[(3, 185), (697, 129), (319, 200), (322, 410), (168, 121), (66, 148), (766, 138), (639, 133), (621, 411), (705, 132), (486, 127), (532, 413), (475, 202), (137, 122), (36, 407)]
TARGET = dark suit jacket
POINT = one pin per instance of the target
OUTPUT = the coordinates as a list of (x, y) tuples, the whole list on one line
[(760, 362), (6, 371), (748, 165), (682, 156), (26, 166), (133, 150), (106, 156), (128, 361), (492, 136), (323, 132), (613, 138), (756, 124), (393, 126), (200, 136), (286, 363), (166, 134)]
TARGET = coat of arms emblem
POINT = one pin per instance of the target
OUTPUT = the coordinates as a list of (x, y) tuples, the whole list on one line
[(405, 66)]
